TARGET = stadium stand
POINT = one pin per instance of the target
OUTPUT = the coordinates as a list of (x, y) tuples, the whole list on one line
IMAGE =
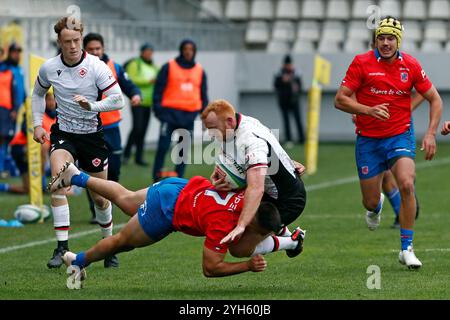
[(245, 35), (239, 24), (355, 46), (261, 9), (237, 10), (278, 46), (287, 9), (303, 46), (391, 8), (283, 30), (414, 9), (257, 32), (359, 10), (312, 9), (439, 9), (338, 9), (430, 45), (211, 7)]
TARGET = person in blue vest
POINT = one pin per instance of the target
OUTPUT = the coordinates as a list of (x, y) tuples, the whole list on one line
[(180, 94), (12, 96)]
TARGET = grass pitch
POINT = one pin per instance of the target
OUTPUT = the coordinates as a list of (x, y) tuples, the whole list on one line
[(339, 248)]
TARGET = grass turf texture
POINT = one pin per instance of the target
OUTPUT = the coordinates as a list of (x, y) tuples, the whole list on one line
[(338, 248)]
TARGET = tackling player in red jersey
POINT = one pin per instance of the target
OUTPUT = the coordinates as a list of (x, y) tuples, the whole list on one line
[(195, 208), (382, 80)]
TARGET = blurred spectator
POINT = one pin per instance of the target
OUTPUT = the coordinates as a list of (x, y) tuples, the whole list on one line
[(288, 85), (142, 71), (180, 94), (93, 43), (12, 96), (19, 150)]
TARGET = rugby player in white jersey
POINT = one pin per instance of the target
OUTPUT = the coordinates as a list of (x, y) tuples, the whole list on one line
[(78, 79), (270, 174)]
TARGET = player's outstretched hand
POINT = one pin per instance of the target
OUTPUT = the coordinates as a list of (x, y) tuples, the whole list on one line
[(380, 111), (40, 135), (429, 145), (235, 234), (82, 101), (257, 263), (445, 128)]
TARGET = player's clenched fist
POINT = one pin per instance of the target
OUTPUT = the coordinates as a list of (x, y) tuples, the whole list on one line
[(40, 135), (445, 128), (257, 263), (83, 102)]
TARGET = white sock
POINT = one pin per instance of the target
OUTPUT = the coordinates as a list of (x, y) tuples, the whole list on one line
[(61, 222), (104, 219), (274, 243), (284, 232)]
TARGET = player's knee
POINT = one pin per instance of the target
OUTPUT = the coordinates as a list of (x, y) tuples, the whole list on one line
[(122, 243), (406, 186)]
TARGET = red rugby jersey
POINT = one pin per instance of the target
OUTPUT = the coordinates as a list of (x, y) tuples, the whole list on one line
[(202, 211), (375, 81)]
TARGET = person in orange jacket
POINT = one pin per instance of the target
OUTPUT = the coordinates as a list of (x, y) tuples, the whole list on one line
[(180, 95), (18, 146)]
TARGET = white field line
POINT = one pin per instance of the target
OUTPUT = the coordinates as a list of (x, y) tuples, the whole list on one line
[(42, 242), (313, 187)]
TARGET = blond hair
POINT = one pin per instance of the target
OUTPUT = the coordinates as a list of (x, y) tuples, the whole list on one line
[(222, 108), (69, 23)]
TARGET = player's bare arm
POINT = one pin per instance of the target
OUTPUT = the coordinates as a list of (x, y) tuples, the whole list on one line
[(344, 101), (253, 195), (215, 266), (429, 140), (416, 100)]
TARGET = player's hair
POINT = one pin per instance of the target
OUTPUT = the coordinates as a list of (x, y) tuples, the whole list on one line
[(268, 217), (92, 37), (222, 108), (69, 23)]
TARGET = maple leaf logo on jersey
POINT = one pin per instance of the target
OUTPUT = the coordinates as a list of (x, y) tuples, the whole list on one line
[(96, 162), (82, 72)]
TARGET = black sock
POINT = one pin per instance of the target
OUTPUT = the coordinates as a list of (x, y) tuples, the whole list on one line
[(63, 245)]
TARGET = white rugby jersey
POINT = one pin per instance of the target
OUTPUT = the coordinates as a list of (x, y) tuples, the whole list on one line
[(254, 145), (85, 78)]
